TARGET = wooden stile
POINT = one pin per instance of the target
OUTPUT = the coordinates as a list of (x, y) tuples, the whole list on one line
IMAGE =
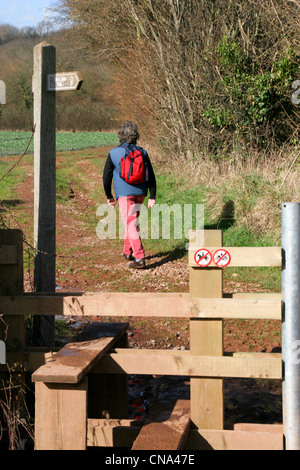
[(81, 379)]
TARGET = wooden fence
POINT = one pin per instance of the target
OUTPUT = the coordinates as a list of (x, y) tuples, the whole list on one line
[(205, 306)]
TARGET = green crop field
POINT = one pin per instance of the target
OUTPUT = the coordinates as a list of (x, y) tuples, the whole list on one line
[(15, 142)]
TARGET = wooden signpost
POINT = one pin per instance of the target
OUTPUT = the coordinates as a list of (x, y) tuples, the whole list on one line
[(2, 92), (45, 83)]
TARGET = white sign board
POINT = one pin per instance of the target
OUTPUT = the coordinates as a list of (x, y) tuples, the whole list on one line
[(2, 92), (64, 81)]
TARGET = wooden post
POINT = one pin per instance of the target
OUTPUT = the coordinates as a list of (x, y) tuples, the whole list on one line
[(61, 416), (206, 337), (44, 185), (11, 284)]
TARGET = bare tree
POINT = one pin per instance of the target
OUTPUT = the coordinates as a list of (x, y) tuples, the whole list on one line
[(200, 69), (8, 33)]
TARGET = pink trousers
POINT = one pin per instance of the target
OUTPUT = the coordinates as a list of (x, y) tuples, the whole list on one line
[(130, 210)]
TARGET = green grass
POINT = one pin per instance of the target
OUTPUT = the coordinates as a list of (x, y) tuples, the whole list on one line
[(15, 142), (7, 184)]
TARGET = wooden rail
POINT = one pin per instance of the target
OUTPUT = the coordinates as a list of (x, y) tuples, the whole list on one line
[(183, 363), (141, 305)]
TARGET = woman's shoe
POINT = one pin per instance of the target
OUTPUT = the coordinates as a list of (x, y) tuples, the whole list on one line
[(138, 264)]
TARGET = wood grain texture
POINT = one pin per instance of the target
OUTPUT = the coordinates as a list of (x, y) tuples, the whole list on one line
[(76, 359)]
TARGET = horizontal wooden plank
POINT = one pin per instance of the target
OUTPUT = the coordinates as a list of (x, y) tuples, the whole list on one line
[(166, 435), (236, 308), (159, 362), (164, 362), (257, 295), (244, 256), (98, 304), (172, 352), (75, 360), (210, 439), (8, 254), (141, 305), (258, 427), (33, 359)]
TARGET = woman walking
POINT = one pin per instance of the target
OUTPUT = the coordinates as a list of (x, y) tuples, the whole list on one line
[(130, 169)]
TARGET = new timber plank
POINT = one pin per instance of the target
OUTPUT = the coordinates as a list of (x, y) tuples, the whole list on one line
[(214, 439), (258, 427), (166, 435), (184, 363), (32, 359), (142, 305), (75, 360)]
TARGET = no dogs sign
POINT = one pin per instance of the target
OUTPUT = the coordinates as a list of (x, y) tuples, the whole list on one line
[(203, 257), (222, 258)]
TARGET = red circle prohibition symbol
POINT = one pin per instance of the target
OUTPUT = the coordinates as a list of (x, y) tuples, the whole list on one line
[(222, 258), (203, 257)]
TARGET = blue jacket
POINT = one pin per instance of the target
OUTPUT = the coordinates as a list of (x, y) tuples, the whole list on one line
[(122, 189)]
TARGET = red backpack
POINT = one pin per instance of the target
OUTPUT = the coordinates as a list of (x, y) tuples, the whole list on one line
[(134, 168)]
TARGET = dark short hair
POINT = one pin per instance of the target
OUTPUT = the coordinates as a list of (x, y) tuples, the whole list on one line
[(128, 133)]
